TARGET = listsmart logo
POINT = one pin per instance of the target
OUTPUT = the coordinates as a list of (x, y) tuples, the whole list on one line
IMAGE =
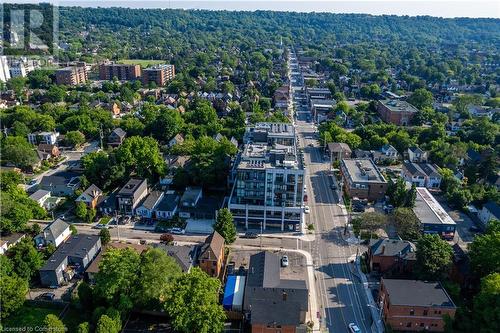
[(29, 29)]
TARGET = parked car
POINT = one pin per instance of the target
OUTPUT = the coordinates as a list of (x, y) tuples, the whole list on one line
[(284, 261), (358, 208), (388, 209), (177, 231), (307, 210), (354, 328), (251, 235), (47, 296), (32, 182)]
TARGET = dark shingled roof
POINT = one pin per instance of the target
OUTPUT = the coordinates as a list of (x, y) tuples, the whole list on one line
[(76, 247), (168, 203), (215, 242), (59, 178), (185, 255), (151, 200), (271, 299), (417, 293), (391, 247), (493, 208)]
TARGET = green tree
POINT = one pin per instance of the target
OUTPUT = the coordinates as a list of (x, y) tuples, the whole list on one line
[(73, 229), (433, 257), (26, 259), (52, 324), (13, 290), (372, 221), (81, 210), (18, 151), (397, 192), (18, 84), (83, 327), (487, 305), (407, 224), (421, 98), (141, 155), (107, 325), (105, 236), (484, 253), (155, 280), (194, 304), (74, 138), (225, 225)]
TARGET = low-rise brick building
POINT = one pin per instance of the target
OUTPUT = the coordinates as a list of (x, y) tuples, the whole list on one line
[(413, 305), (396, 112), (362, 179)]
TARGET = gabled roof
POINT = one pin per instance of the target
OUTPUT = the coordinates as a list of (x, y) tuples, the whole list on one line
[(152, 199), (391, 247), (91, 190), (59, 178), (493, 208), (46, 147), (185, 255), (416, 150), (167, 203), (214, 242), (56, 228), (39, 195), (339, 147), (119, 132)]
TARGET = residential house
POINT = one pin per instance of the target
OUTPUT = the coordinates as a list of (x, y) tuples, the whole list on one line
[(40, 196), (90, 196), (185, 255), (211, 259), (71, 258), (391, 256), (362, 179), (193, 205), (116, 137), (413, 305), (167, 207), (131, 194), (48, 151), (272, 304), (416, 155), (146, 209), (93, 268), (61, 183), (490, 211), (421, 175), (43, 137), (386, 154), (339, 151), (177, 139), (480, 111), (8, 241), (107, 205), (55, 233), (432, 216)]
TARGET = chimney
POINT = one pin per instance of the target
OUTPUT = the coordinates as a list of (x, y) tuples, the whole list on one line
[(284, 296), (383, 249)]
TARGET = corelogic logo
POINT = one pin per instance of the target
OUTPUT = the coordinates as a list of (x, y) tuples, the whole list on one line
[(29, 29)]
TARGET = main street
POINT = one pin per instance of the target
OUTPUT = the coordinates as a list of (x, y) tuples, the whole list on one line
[(341, 296)]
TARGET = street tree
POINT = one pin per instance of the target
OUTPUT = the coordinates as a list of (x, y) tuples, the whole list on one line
[(194, 304), (53, 324), (407, 223), (225, 225), (74, 138), (433, 257), (81, 210), (105, 236)]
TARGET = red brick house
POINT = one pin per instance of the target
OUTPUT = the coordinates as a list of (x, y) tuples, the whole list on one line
[(396, 112), (413, 305), (391, 256), (211, 258)]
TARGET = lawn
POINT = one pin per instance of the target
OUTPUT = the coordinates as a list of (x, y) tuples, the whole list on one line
[(142, 62), (29, 316)]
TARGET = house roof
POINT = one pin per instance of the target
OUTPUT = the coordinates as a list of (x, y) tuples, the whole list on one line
[(214, 242), (421, 168), (91, 190), (77, 247), (493, 208), (56, 228), (271, 299), (416, 150), (45, 147), (428, 210), (391, 247), (167, 203), (339, 147), (152, 199), (39, 194), (13, 238), (417, 293), (185, 255), (131, 186), (59, 178), (119, 132), (190, 195)]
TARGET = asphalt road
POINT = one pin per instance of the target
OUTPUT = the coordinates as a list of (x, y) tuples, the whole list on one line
[(341, 296)]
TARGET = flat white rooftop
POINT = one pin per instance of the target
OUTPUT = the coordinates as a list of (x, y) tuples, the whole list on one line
[(428, 210)]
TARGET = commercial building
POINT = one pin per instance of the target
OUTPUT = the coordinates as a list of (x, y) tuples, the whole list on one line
[(21, 67), (269, 182), (412, 305), (4, 69), (160, 74), (432, 216), (396, 112), (123, 72), (338, 151), (272, 304), (72, 257), (362, 179), (73, 75), (321, 109)]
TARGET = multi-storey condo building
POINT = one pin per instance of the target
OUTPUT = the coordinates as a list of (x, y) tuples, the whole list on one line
[(396, 112), (362, 179), (73, 75), (4, 69), (122, 72), (269, 184), (160, 74)]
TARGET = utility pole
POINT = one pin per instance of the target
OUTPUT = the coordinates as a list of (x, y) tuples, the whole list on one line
[(261, 235), (101, 136)]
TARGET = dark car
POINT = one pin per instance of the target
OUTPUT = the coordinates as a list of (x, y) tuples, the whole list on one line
[(358, 208), (47, 296), (251, 235)]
